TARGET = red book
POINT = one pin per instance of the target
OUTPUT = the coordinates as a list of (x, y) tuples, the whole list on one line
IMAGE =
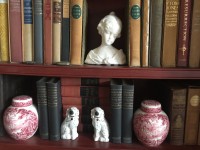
[(184, 33), (66, 100), (15, 27), (47, 9)]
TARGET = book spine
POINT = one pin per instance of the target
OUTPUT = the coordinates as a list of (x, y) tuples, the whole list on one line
[(184, 33), (27, 31), (145, 33), (194, 57), (116, 112), (42, 108), (76, 31), (56, 30), (170, 33), (134, 32), (67, 100), (38, 31), (4, 38), (15, 30), (127, 112), (65, 32), (54, 109), (177, 116), (2, 131), (156, 17), (192, 116), (47, 20)]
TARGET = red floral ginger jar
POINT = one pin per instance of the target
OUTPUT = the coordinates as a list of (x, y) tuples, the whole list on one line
[(150, 123), (21, 118)]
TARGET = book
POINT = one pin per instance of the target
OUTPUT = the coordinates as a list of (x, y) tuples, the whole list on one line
[(54, 108), (170, 33), (184, 33), (77, 91), (192, 115), (127, 110), (134, 33), (42, 107), (15, 31), (47, 24), (145, 33), (67, 100), (4, 38), (78, 17), (194, 52), (65, 31), (115, 110), (156, 24), (38, 30), (27, 31), (56, 30)]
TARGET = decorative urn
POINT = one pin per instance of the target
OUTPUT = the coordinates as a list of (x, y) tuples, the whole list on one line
[(150, 123), (21, 118)]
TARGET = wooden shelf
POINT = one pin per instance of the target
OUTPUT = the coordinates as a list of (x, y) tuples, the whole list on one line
[(84, 142), (100, 71)]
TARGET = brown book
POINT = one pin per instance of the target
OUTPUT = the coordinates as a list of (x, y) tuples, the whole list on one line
[(47, 20), (194, 57), (170, 33), (145, 32), (67, 100), (15, 30), (184, 33), (56, 31), (192, 115), (134, 33)]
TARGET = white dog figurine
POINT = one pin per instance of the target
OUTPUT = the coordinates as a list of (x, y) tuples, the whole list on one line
[(101, 128), (70, 124)]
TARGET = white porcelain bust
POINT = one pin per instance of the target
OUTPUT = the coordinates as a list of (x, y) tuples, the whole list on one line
[(109, 28)]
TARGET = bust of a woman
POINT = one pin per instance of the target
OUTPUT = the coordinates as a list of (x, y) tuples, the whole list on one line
[(109, 28)]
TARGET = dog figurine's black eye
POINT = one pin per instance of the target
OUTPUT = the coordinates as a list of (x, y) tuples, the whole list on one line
[(96, 113), (71, 112)]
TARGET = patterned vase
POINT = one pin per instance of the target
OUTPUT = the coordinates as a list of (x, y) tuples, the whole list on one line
[(150, 123), (21, 118)]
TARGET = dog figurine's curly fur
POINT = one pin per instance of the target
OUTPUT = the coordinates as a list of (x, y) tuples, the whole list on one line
[(70, 124), (101, 127)]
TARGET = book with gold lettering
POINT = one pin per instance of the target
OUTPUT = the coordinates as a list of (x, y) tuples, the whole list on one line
[(170, 33), (4, 38)]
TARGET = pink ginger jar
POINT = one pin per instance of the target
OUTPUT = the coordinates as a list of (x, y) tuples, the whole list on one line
[(150, 123), (21, 118)]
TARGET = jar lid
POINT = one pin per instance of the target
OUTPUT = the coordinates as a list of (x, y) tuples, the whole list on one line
[(22, 101), (151, 106)]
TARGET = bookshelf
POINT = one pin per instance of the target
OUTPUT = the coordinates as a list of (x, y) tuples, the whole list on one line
[(85, 142)]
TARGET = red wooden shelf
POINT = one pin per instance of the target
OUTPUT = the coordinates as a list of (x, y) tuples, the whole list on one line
[(100, 71)]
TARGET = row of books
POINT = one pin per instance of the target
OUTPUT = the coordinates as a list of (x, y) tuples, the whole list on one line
[(37, 31)]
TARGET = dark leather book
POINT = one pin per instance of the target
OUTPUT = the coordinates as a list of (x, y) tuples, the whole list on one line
[(54, 108), (155, 41), (42, 108), (38, 30), (65, 32), (116, 110), (127, 110), (184, 33)]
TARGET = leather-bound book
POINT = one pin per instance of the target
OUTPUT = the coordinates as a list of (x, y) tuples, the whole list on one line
[(65, 32), (42, 108), (56, 30), (116, 110), (54, 108), (194, 56), (38, 31), (134, 22), (170, 33), (184, 33), (192, 115), (15, 30), (47, 24), (4, 38), (155, 41), (127, 110)]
